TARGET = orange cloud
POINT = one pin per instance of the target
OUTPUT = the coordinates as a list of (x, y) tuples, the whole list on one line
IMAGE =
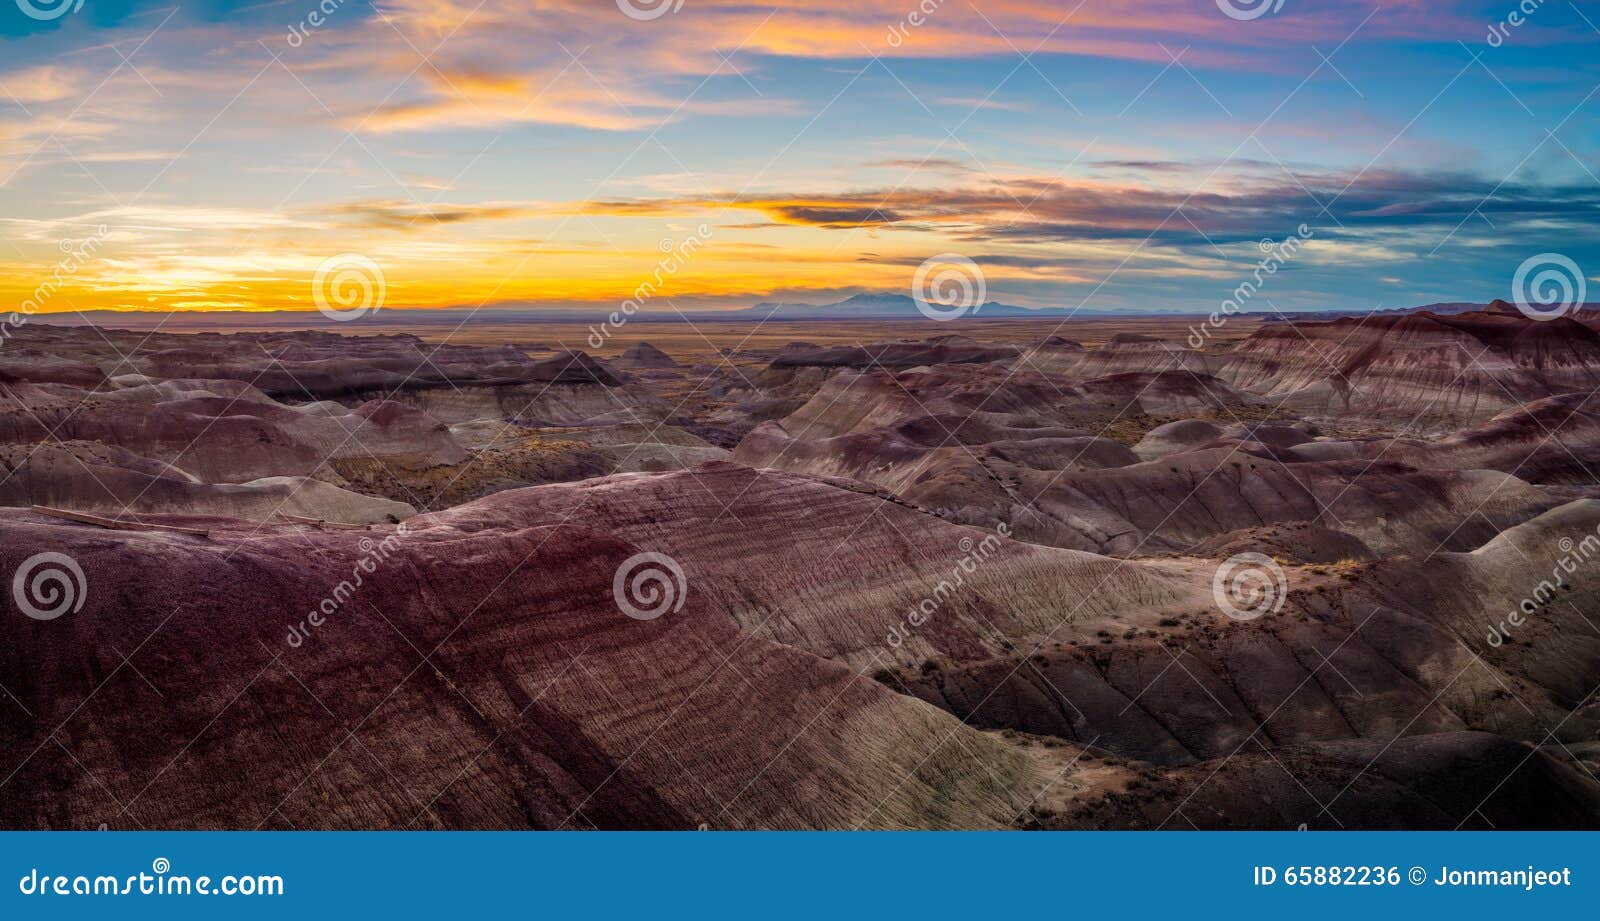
[(596, 68)]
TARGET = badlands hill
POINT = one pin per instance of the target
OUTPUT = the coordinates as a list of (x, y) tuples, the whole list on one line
[(377, 582), (349, 429), (1419, 368)]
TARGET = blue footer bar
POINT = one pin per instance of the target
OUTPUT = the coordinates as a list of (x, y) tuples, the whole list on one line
[(177, 874)]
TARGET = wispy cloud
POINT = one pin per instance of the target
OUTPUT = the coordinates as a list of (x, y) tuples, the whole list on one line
[(539, 150), (1243, 206)]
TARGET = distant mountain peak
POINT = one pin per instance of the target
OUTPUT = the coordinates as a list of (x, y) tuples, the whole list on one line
[(888, 304), (878, 299)]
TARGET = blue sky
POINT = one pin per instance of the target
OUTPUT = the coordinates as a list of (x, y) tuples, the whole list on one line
[(1103, 155)]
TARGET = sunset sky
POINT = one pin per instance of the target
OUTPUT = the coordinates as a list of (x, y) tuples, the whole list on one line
[(1109, 155)]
